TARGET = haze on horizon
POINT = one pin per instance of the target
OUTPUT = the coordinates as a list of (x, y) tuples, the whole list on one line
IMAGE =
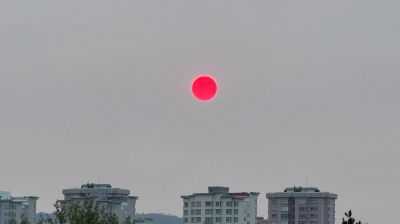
[(103, 89)]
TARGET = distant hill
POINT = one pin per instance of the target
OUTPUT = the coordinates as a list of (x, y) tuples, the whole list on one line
[(159, 218)]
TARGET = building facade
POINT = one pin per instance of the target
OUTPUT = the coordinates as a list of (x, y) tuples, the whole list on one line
[(299, 205), (15, 207), (114, 200), (220, 206), (261, 220)]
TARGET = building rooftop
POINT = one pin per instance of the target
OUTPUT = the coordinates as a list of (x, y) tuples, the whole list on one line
[(299, 192), (92, 185), (224, 191)]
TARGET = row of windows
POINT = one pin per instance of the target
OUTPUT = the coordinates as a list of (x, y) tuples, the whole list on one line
[(210, 204), (106, 207), (301, 216), (210, 219), (10, 214), (301, 209), (9, 206), (300, 222), (210, 211), (300, 202)]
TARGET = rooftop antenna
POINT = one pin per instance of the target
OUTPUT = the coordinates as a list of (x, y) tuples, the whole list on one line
[(306, 181)]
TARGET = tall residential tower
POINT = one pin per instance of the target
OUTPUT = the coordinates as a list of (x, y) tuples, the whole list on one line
[(114, 200), (299, 205), (15, 207), (220, 206)]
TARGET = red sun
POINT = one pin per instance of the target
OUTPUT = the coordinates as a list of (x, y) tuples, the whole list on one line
[(204, 88)]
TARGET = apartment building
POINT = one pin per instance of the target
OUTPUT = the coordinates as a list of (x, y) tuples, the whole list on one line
[(299, 205), (220, 206), (111, 199), (15, 207), (261, 220)]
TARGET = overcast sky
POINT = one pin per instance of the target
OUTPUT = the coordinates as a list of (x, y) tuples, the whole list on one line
[(103, 89)]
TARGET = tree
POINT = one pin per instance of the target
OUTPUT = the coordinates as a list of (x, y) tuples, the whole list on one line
[(350, 220)]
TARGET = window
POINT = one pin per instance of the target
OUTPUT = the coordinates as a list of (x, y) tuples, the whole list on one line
[(327, 208), (302, 202), (284, 216), (209, 219), (192, 219), (328, 201), (198, 203), (284, 209), (5, 214), (273, 215), (185, 212), (185, 220), (284, 202), (274, 209), (248, 215), (314, 222), (185, 204), (218, 203), (209, 211), (327, 222), (236, 203), (314, 201), (273, 222), (228, 219), (235, 211), (198, 211), (198, 219), (284, 222), (274, 201), (192, 204), (217, 211), (302, 209), (327, 215), (228, 211), (235, 219), (228, 204), (192, 212), (302, 222), (314, 208), (217, 219), (209, 203), (302, 216), (314, 215)]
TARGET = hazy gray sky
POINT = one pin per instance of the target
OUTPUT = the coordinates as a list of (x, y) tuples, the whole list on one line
[(103, 89)]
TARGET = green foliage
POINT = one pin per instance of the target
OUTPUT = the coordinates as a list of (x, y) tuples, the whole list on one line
[(128, 220), (350, 220), (24, 220), (13, 221)]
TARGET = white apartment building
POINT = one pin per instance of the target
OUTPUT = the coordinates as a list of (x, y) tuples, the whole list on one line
[(220, 207), (114, 200), (15, 207)]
